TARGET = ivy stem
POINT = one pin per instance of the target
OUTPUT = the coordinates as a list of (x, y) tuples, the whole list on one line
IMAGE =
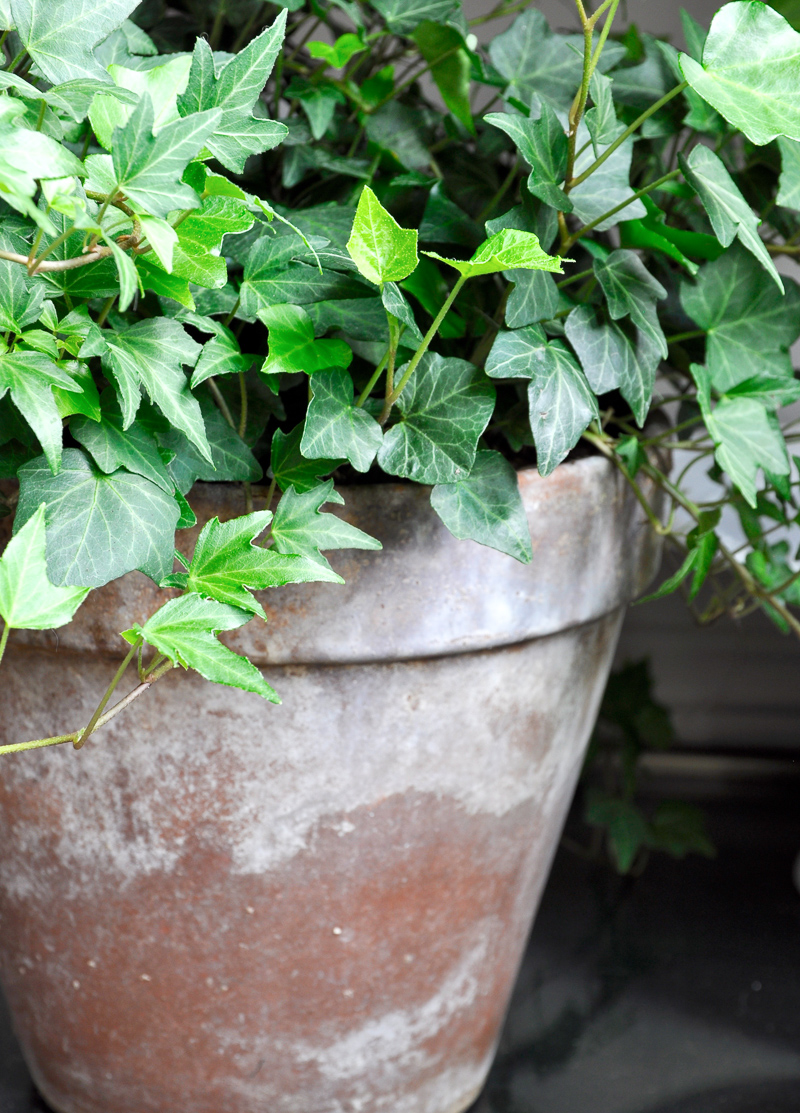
[(243, 405), (4, 639), (573, 239), (104, 312), (581, 97), (570, 182), (223, 405), (57, 242), (505, 185), (693, 334), (376, 374), (108, 694), (232, 313), (394, 340), (426, 340)]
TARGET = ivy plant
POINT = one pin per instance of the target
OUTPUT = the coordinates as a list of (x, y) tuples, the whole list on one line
[(294, 246)]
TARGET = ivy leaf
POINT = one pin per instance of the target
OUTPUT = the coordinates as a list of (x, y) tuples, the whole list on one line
[(561, 405), (21, 298), (789, 184), (611, 358), (379, 247), (98, 526), (632, 291), (30, 378), (601, 119), (148, 168), (317, 101), (404, 16), (534, 60), (394, 303), (607, 187), (358, 318), (486, 507), (335, 427), (290, 468), (300, 527), (292, 346), (337, 54), (227, 566), (729, 213), (221, 355), (397, 129), (150, 354), (543, 145), (200, 235), (185, 630), (272, 276), (508, 249), (772, 392), (28, 601), (445, 407), (749, 326), (234, 91), (443, 49), (113, 447), (60, 35), (161, 236), (746, 438), (162, 84), (516, 354), (750, 71)]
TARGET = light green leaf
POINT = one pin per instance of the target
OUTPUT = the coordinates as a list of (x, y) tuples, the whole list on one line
[(98, 526), (335, 427), (543, 145), (161, 83), (60, 35), (561, 405), (292, 346), (300, 527), (150, 354), (113, 447), (404, 16), (747, 437), (30, 378), (601, 119), (148, 168), (126, 274), (789, 184), (235, 91), (33, 155), (729, 213), (227, 565), (28, 601), (772, 392), (486, 507), (750, 71), (750, 327), (508, 249), (445, 408), (290, 468), (337, 54), (21, 298), (184, 630), (443, 49), (380, 248), (632, 291), (152, 277), (221, 355), (394, 303), (613, 358), (161, 236)]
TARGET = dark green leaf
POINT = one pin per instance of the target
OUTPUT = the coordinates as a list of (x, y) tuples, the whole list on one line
[(632, 291), (291, 468), (543, 145), (113, 447), (30, 378), (403, 16), (334, 427), (443, 50)]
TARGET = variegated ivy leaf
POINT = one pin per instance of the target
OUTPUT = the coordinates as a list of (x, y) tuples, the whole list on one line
[(28, 601), (631, 291), (543, 145), (60, 35), (486, 507), (185, 630), (234, 92), (161, 83), (30, 378), (750, 71), (335, 427), (300, 527), (379, 247)]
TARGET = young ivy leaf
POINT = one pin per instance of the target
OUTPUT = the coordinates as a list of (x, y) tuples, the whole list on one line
[(292, 346), (379, 247), (750, 71), (60, 35), (335, 427), (234, 91), (148, 168), (300, 527), (486, 507), (28, 601), (543, 145), (290, 468), (227, 566), (508, 249), (339, 53), (185, 630)]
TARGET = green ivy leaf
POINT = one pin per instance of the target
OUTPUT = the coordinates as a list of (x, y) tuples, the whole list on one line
[(334, 427), (747, 437), (626, 827), (772, 392), (339, 53), (516, 354), (185, 630), (534, 60), (317, 101), (394, 303), (508, 249), (21, 298), (290, 468), (607, 187), (750, 71), (750, 327), (292, 346), (98, 526), (543, 145), (380, 248), (221, 355), (404, 16), (789, 184), (358, 318), (274, 276), (300, 527), (28, 601), (443, 49), (148, 167), (227, 565), (30, 378), (234, 91), (445, 407), (486, 507), (112, 447), (161, 83), (631, 291), (60, 35), (601, 119), (397, 129), (729, 213)]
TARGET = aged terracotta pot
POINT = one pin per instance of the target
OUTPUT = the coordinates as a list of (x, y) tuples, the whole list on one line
[(222, 906)]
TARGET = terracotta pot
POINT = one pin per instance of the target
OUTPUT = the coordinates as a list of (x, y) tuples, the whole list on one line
[(222, 906)]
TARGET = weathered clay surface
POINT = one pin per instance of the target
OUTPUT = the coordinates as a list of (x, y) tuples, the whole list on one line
[(222, 905)]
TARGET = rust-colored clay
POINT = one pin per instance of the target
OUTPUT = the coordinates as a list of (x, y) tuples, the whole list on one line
[(222, 906)]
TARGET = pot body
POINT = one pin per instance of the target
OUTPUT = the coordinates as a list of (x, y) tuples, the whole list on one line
[(220, 904)]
